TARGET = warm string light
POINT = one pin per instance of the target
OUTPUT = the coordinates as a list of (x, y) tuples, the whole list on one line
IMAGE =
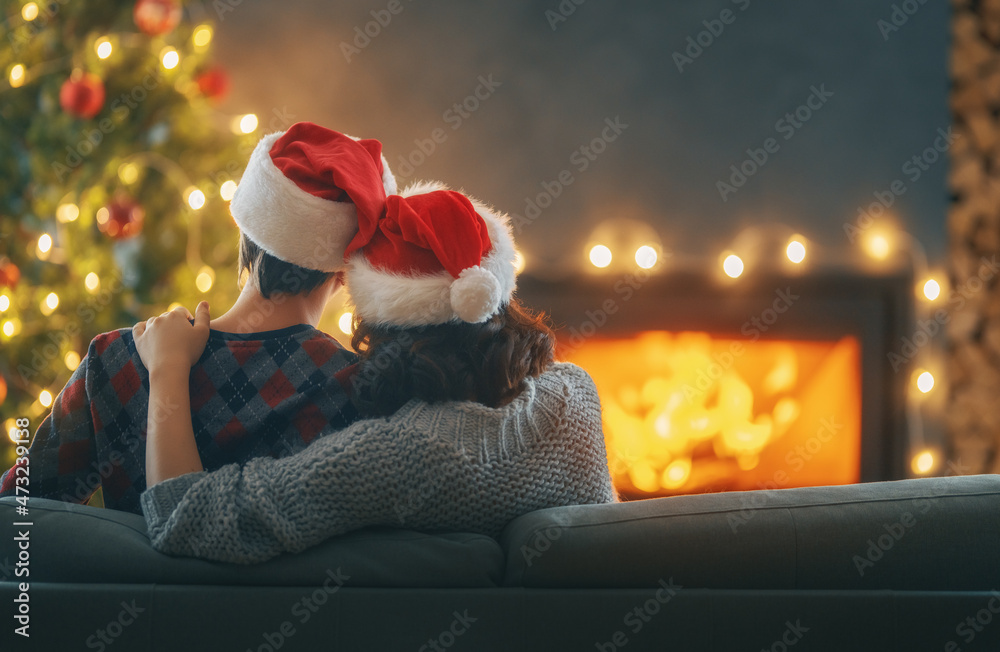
[(92, 282), (227, 190), (879, 242), (345, 323), (72, 360), (202, 36), (11, 327), (16, 77), (10, 427), (645, 257), (923, 462), (195, 198), (925, 381), (49, 304), (205, 279), (932, 290), (103, 47), (600, 256), (169, 58), (67, 213), (45, 398), (519, 262), (128, 173), (247, 124), (44, 246), (796, 251), (732, 265), (877, 245), (29, 12), (4, 302)]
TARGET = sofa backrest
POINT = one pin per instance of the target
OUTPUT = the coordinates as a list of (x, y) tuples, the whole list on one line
[(80, 544), (932, 533)]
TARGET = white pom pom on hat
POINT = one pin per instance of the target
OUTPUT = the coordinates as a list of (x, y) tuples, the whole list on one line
[(304, 191), (435, 256), (475, 295)]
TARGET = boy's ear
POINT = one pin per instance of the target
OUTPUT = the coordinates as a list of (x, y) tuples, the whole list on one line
[(338, 281)]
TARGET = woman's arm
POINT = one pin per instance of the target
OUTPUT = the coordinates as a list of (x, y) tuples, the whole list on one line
[(249, 513), (169, 345), (449, 466)]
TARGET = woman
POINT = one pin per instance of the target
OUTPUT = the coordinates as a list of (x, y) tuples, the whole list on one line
[(473, 424)]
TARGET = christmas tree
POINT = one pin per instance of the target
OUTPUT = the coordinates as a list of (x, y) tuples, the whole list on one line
[(115, 171)]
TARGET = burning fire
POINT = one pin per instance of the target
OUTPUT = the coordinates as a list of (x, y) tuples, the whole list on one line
[(688, 413)]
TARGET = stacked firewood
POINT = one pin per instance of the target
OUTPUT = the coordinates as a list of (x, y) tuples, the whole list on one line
[(974, 238)]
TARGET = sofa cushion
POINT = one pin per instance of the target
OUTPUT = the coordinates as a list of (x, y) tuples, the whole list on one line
[(72, 543), (932, 533)]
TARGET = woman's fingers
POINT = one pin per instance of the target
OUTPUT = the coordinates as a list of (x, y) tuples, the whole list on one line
[(203, 317)]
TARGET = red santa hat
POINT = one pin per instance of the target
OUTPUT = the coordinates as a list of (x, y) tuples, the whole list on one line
[(305, 190), (435, 256)]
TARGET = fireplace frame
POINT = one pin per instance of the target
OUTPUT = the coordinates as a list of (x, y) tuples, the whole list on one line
[(876, 308)]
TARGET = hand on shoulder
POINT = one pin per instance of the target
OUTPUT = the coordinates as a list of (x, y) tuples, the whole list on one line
[(171, 340)]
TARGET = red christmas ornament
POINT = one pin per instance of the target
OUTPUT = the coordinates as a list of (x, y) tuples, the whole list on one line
[(121, 219), (9, 274), (3, 389), (214, 83), (82, 94), (156, 17)]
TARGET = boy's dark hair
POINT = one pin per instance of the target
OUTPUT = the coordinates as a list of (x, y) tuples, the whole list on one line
[(274, 276), (486, 363)]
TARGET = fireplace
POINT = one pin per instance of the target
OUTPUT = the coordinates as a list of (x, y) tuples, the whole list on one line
[(768, 382)]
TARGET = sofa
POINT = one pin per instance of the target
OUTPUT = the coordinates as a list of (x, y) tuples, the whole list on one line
[(907, 565)]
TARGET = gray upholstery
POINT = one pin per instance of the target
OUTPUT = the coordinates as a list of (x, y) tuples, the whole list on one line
[(749, 568), (934, 533), (81, 544)]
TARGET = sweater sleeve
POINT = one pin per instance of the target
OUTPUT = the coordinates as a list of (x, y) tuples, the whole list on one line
[(247, 514), (448, 466)]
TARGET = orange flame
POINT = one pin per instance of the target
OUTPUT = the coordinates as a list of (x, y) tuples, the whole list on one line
[(688, 413)]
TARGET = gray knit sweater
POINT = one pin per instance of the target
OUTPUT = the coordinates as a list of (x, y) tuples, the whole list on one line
[(446, 466)]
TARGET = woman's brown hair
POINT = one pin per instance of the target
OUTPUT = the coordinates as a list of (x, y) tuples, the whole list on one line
[(486, 362)]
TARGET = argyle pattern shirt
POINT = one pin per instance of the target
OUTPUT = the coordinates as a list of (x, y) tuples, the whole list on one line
[(252, 395)]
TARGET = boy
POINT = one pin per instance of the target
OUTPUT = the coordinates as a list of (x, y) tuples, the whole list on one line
[(268, 382)]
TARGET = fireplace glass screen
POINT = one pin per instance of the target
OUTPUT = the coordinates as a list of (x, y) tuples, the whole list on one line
[(687, 412)]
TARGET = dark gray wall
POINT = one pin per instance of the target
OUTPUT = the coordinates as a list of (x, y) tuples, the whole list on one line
[(615, 59)]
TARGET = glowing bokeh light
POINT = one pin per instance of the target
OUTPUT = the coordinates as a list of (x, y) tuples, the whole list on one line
[(732, 266), (345, 323), (600, 256), (645, 257), (932, 289), (796, 251), (925, 382)]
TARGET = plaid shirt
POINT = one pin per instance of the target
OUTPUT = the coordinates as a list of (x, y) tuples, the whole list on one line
[(252, 395)]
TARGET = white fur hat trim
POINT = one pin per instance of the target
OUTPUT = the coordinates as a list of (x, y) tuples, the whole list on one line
[(288, 222)]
